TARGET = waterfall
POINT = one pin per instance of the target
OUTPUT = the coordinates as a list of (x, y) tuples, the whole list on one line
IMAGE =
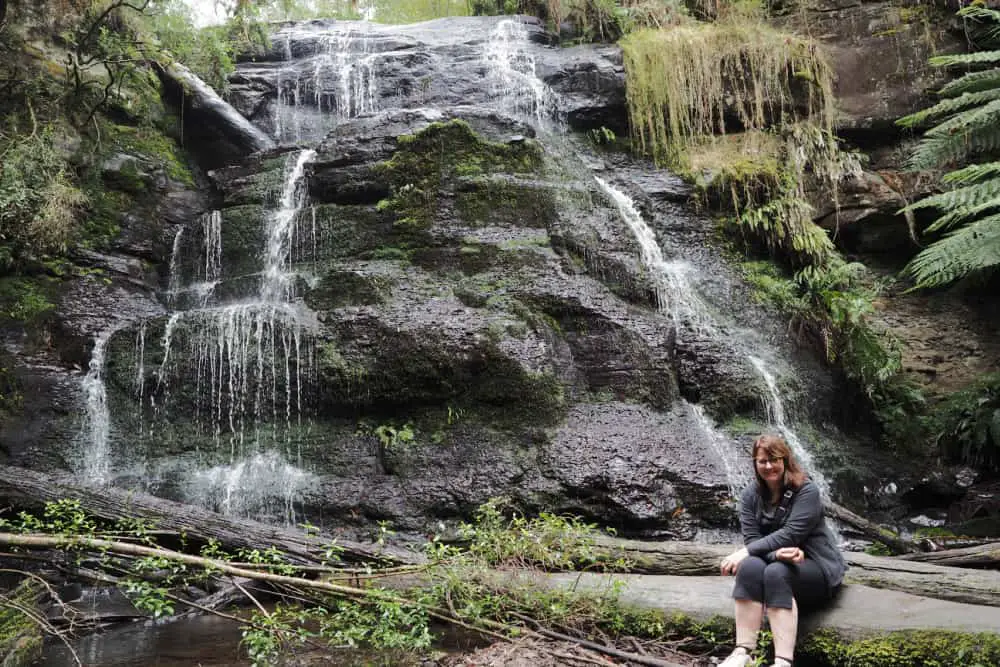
[(673, 288), (96, 454), (341, 83), (775, 409), (173, 283), (277, 284), (510, 67), (244, 365)]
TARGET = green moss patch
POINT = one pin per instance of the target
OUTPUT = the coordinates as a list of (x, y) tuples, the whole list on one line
[(20, 636), (918, 648), (426, 165)]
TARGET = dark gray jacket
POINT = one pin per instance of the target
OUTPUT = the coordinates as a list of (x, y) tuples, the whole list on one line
[(801, 526)]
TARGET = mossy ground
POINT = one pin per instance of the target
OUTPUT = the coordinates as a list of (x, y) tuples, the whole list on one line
[(20, 636)]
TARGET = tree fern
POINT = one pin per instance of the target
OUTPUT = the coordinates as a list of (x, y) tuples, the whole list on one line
[(966, 197), (970, 249), (972, 82), (974, 173), (968, 127), (951, 106), (968, 134)]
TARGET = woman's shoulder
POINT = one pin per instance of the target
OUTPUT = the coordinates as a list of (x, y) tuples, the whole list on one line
[(750, 493)]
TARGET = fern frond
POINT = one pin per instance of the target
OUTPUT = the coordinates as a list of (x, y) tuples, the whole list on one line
[(979, 12), (948, 107), (974, 173), (983, 15), (968, 250), (972, 82), (962, 214), (971, 195), (973, 132), (975, 58)]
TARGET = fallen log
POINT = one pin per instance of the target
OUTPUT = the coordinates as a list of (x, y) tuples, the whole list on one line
[(979, 587), (29, 488), (981, 555), (896, 544), (209, 118)]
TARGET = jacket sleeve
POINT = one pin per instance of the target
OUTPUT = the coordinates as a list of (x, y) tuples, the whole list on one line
[(749, 526), (804, 515)]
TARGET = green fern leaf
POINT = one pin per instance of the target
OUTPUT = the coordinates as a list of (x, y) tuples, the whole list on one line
[(976, 58), (962, 214), (971, 249), (971, 133), (971, 195), (974, 173), (971, 83), (951, 106)]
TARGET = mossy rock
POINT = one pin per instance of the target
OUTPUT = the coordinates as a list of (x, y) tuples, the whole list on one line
[(259, 184), (338, 288), (505, 202), (394, 370), (349, 231), (430, 161)]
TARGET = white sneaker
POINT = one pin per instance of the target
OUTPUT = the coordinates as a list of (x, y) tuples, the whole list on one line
[(738, 658), (781, 662)]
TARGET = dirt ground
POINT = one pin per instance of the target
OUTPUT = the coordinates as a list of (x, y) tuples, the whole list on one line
[(537, 653)]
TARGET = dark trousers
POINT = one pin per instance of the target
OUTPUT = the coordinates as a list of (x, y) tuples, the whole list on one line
[(777, 584)]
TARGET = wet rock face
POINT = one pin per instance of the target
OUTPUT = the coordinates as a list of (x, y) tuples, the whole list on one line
[(337, 70), (422, 298), (879, 51)]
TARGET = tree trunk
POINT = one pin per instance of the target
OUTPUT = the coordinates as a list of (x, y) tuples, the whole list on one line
[(30, 488), (981, 555), (897, 544), (980, 587), (212, 127)]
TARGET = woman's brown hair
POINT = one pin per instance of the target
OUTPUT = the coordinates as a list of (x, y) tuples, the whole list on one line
[(775, 446)]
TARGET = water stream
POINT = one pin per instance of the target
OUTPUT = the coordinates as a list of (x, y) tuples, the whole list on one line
[(692, 314)]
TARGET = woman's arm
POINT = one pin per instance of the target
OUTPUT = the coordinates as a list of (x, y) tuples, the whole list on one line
[(749, 526), (803, 517)]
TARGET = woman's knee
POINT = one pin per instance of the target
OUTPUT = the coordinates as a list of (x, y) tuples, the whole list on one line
[(778, 585), (751, 569)]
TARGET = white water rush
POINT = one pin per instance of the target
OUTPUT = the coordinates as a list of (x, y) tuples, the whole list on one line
[(510, 67), (675, 292)]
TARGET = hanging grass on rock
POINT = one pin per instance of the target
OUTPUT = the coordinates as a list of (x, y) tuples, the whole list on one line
[(698, 80)]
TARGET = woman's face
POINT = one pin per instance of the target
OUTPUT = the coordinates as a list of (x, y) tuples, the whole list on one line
[(770, 468)]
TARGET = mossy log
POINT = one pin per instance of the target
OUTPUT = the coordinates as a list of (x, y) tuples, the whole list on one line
[(979, 587), (29, 488), (980, 555)]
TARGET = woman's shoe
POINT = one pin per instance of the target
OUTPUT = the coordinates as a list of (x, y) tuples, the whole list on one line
[(740, 657), (781, 662)]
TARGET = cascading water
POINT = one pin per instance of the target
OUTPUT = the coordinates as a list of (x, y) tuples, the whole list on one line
[(673, 288), (514, 86), (250, 364), (96, 455), (341, 83)]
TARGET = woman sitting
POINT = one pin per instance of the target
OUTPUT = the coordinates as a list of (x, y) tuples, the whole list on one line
[(790, 560)]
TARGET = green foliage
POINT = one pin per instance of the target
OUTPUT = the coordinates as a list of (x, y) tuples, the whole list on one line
[(39, 202), (207, 51), (590, 20), (501, 536), (20, 635), (969, 423), (919, 648), (831, 307), (964, 127), (681, 83)]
